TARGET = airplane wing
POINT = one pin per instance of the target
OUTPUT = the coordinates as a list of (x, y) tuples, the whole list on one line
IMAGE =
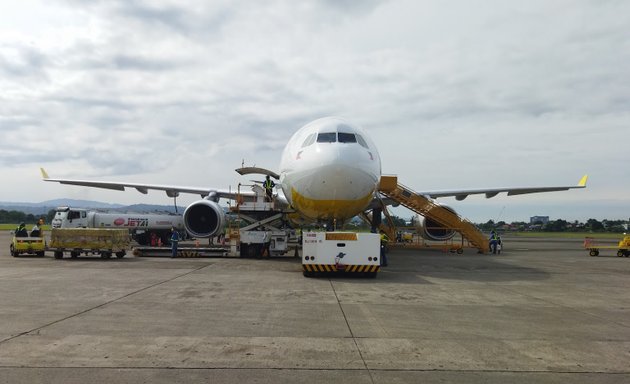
[(492, 192), (171, 190)]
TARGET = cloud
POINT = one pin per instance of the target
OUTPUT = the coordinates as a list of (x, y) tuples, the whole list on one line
[(183, 92)]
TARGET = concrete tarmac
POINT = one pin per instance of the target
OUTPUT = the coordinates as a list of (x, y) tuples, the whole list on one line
[(543, 311)]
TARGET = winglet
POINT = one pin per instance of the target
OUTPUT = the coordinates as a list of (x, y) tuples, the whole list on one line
[(44, 174), (582, 182)]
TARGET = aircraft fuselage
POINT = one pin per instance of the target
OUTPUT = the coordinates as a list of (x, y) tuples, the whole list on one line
[(330, 169)]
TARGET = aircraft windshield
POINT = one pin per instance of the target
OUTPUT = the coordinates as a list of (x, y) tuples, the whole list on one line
[(362, 141), (346, 137), (327, 137), (332, 137), (309, 140)]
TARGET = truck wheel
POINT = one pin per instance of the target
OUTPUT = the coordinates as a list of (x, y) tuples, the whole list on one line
[(13, 252), (106, 255), (307, 273), (58, 255), (592, 253), (620, 253), (40, 253), (120, 254), (460, 251), (74, 254)]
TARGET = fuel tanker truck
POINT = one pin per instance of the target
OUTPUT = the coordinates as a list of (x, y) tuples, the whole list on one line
[(145, 228)]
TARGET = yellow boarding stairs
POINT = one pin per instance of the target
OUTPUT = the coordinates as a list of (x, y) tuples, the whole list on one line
[(424, 206)]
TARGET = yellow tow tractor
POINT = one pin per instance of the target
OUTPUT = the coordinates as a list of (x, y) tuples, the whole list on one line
[(27, 245), (593, 246)]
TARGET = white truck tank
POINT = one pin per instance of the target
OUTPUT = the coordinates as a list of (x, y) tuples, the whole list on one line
[(145, 228)]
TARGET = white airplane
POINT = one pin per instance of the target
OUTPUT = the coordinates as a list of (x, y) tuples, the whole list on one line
[(330, 170)]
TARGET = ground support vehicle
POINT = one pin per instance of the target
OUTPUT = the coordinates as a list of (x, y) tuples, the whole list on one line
[(332, 252), (145, 228), (182, 251), (261, 230), (594, 246), (77, 241), (263, 243), (27, 245), (456, 244)]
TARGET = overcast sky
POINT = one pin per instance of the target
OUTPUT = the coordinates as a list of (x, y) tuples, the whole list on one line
[(457, 94)]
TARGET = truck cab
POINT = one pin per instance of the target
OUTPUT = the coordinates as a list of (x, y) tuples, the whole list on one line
[(66, 217)]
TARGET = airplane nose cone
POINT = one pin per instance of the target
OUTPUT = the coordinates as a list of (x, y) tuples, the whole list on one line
[(341, 180)]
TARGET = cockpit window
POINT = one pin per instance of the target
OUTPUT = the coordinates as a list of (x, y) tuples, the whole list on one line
[(309, 140), (346, 137), (327, 137), (362, 142)]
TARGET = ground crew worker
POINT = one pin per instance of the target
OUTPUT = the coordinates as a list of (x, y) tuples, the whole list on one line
[(174, 242), (35, 231), (40, 224), (21, 231), (268, 184), (384, 241), (495, 240)]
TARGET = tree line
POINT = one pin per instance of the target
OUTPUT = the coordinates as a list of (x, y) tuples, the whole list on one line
[(560, 225), (16, 217)]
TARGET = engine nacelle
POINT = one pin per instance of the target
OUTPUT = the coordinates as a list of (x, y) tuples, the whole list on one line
[(431, 230), (204, 218)]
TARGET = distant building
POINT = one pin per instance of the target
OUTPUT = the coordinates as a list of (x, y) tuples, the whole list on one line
[(537, 219)]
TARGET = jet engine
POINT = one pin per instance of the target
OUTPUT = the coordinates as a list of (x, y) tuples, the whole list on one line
[(204, 218), (432, 230)]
